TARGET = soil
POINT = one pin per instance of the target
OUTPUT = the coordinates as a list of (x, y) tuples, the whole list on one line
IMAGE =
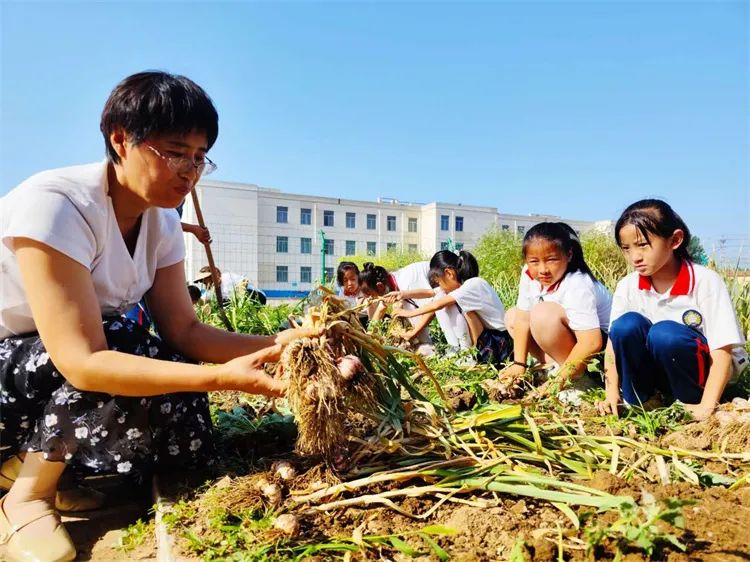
[(715, 525), (716, 522), (97, 533)]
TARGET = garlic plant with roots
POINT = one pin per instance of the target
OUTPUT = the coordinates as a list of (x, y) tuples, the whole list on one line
[(339, 377)]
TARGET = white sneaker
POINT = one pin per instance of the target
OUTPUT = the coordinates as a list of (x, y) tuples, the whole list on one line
[(573, 394), (466, 361)]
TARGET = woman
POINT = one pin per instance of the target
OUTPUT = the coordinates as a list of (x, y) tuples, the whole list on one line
[(80, 384)]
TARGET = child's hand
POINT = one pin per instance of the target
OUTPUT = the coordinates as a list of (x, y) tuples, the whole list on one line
[(610, 404), (699, 411), (512, 372), (392, 297), (408, 336), (401, 313)]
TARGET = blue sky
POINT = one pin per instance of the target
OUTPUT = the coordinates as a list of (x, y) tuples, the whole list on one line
[(575, 109)]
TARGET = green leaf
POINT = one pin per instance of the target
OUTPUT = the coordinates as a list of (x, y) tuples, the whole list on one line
[(439, 552), (403, 546), (438, 530)]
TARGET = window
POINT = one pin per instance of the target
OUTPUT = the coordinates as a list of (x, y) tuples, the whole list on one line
[(391, 247), (351, 248), (372, 222), (444, 246), (305, 245), (459, 247), (327, 218), (413, 249), (459, 224), (521, 229), (372, 248), (329, 274), (282, 274), (305, 216), (305, 274), (351, 220), (282, 214), (391, 222), (506, 227), (328, 247), (445, 222), (282, 244), (412, 224)]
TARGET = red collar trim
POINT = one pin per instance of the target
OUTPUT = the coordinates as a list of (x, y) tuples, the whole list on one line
[(555, 286), (526, 271), (683, 285), (393, 282)]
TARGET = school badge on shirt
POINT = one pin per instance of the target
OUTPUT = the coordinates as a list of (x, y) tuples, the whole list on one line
[(692, 318)]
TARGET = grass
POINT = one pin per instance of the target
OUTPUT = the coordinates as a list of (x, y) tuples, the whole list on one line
[(135, 535)]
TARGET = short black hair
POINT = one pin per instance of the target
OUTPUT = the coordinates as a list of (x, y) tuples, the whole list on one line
[(157, 103), (343, 267), (195, 293)]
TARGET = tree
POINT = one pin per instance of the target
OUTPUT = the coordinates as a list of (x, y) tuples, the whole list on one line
[(696, 252)]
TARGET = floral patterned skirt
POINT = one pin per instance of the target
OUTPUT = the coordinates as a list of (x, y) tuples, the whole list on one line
[(97, 432)]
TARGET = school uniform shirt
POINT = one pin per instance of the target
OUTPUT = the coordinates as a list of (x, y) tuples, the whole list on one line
[(69, 209), (350, 300), (476, 295), (414, 276), (699, 298), (587, 303)]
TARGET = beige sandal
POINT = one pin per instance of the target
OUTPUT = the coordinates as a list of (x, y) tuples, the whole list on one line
[(57, 547)]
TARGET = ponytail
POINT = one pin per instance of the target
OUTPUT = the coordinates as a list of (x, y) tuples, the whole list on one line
[(464, 264), (372, 274)]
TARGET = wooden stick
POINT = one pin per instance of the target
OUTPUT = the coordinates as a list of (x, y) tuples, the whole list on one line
[(211, 265)]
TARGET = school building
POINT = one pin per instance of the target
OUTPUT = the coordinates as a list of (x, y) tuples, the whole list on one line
[(275, 239)]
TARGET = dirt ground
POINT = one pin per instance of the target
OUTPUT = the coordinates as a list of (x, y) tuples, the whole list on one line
[(715, 530), (96, 533), (716, 522)]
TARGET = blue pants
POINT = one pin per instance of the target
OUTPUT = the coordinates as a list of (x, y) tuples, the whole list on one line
[(667, 356)]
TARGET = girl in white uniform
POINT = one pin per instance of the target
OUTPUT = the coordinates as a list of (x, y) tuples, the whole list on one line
[(461, 289), (347, 282), (411, 286), (562, 310), (673, 326)]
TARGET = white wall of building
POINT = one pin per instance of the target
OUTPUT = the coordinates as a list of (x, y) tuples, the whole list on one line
[(249, 236)]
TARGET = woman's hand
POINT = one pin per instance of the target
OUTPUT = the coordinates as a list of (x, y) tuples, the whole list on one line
[(245, 374), (700, 411), (610, 404)]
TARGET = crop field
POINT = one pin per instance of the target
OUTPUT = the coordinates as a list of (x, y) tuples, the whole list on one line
[(412, 459)]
